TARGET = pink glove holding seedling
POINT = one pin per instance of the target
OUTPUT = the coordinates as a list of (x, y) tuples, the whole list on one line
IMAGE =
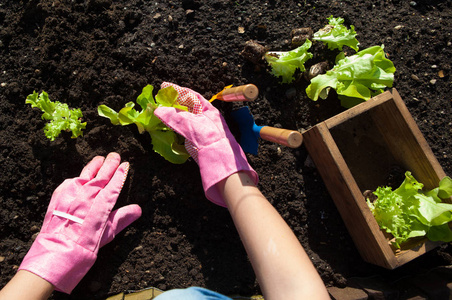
[(80, 220), (207, 139)]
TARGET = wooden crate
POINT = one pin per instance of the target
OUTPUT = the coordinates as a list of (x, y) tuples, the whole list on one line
[(354, 151)]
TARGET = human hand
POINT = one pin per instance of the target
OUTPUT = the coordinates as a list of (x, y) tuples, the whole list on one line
[(208, 140), (80, 220)]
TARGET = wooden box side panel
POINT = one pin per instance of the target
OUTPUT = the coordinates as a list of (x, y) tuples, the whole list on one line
[(359, 109), (421, 248), (349, 201), (407, 142)]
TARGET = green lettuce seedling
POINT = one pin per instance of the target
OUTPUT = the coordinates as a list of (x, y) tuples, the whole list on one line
[(409, 212), (285, 64), (355, 78), (58, 114), (336, 35), (164, 140)]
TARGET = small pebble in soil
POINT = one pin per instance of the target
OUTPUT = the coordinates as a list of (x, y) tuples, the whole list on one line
[(317, 69), (300, 35), (34, 228), (138, 248), (31, 198), (413, 3), (433, 81), (414, 77), (253, 51)]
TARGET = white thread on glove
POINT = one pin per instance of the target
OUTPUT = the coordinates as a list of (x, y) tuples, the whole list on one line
[(67, 216)]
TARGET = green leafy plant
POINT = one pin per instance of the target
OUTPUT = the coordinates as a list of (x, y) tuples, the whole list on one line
[(164, 140), (336, 35), (355, 78), (409, 212), (285, 63), (58, 114)]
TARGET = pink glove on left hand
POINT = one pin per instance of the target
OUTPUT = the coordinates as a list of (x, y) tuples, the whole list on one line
[(79, 220)]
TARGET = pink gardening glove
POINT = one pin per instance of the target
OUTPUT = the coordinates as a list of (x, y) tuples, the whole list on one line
[(79, 221), (207, 139)]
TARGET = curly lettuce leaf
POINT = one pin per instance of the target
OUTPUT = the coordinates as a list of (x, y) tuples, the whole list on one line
[(59, 115), (285, 63), (335, 35), (355, 78), (164, 141), (410, 212)]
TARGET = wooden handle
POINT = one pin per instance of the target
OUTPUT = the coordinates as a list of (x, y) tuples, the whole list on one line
[(248, 92), (289, 138)]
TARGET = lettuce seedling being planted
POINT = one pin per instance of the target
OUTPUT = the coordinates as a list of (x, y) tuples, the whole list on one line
[(285, 63), (58, 114), (335, 35), (409, 212), (355, 78), (165, 141)]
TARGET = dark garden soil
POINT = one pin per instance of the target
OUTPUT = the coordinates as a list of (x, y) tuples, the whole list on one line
[(91, 52)]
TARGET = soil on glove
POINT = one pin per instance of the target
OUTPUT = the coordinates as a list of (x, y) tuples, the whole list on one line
[(91, 52)]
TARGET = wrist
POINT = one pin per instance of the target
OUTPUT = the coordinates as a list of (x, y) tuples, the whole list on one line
[(239, 178), (219, 161), (238, 186), (58, 260), (26, 285)]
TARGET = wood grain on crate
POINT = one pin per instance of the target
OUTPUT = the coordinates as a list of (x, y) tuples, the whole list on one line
[(347, 172)]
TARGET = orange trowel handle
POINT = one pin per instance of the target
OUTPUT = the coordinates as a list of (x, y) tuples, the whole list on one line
[(248, 92), (289, 138)]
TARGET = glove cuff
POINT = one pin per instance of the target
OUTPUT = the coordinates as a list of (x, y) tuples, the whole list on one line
[(58, 260), (217, 162)]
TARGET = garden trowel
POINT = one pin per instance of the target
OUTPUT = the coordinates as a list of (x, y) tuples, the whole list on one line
[(250, 132)]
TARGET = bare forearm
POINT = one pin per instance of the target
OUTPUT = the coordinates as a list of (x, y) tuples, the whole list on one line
[(282, 267), (27, 286)]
